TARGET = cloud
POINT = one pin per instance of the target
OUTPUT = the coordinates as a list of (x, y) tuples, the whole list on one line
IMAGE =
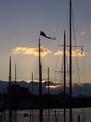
[(53, 86), (78, 53), (83, 33), (59, 52), (75, 53), (30, 51)]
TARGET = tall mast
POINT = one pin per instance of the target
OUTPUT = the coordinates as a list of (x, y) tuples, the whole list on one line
[(48, 80), (15, 112), (48, 96), (31, 111), (9, 92), (40, 85), (10, 71), (70, 60), (64, 77), (32, 82)]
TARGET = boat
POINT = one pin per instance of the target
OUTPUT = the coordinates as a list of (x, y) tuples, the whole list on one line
[(40, 77)]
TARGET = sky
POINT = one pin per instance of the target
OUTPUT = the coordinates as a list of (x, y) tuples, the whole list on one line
[(20, 24)]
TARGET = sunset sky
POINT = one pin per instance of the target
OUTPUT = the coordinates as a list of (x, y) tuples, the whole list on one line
[(20, 24)]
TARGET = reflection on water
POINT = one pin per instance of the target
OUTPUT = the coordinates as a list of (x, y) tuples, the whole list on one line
[(56, 115)]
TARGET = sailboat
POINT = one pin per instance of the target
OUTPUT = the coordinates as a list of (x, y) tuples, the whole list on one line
[(70, 75), (70, 67)]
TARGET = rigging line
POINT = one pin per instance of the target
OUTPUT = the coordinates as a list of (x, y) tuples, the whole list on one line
[(77, 64), (73, 25), (75, 41), (84, 74), (35, 69), (67, 67), (62, 69), (64, 25), (56, 66), (66, 18)]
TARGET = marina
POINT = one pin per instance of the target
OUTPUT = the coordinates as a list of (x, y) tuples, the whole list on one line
[(56, 115), (47, 100)]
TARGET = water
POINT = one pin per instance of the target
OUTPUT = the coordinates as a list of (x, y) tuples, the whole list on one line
[(56, 115)]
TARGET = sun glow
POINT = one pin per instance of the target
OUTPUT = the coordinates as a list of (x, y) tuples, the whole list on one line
[(75, 53), (31, 51), (53, 86)]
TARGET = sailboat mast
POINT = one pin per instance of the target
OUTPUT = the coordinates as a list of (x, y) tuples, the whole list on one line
[(15, 112), (40, 84), (32, 76), (32, 82), (9, 92), (10, 71), (70, 59), (64, 77), (48, 96), (48, 80)]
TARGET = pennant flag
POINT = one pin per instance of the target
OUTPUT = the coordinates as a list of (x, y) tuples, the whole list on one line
[(43, 34)]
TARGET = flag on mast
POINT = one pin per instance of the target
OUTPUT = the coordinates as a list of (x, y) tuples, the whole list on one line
[(44, 35)]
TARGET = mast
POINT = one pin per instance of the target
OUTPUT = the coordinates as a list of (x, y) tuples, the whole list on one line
[(32, 82), (48, 97), (9, 92), (15, 112), (31, 112), (64, 77), (48, 80), (40, 85), (70, 60), (10, 71)]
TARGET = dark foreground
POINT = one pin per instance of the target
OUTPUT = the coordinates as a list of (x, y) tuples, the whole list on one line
[(21, 98)]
